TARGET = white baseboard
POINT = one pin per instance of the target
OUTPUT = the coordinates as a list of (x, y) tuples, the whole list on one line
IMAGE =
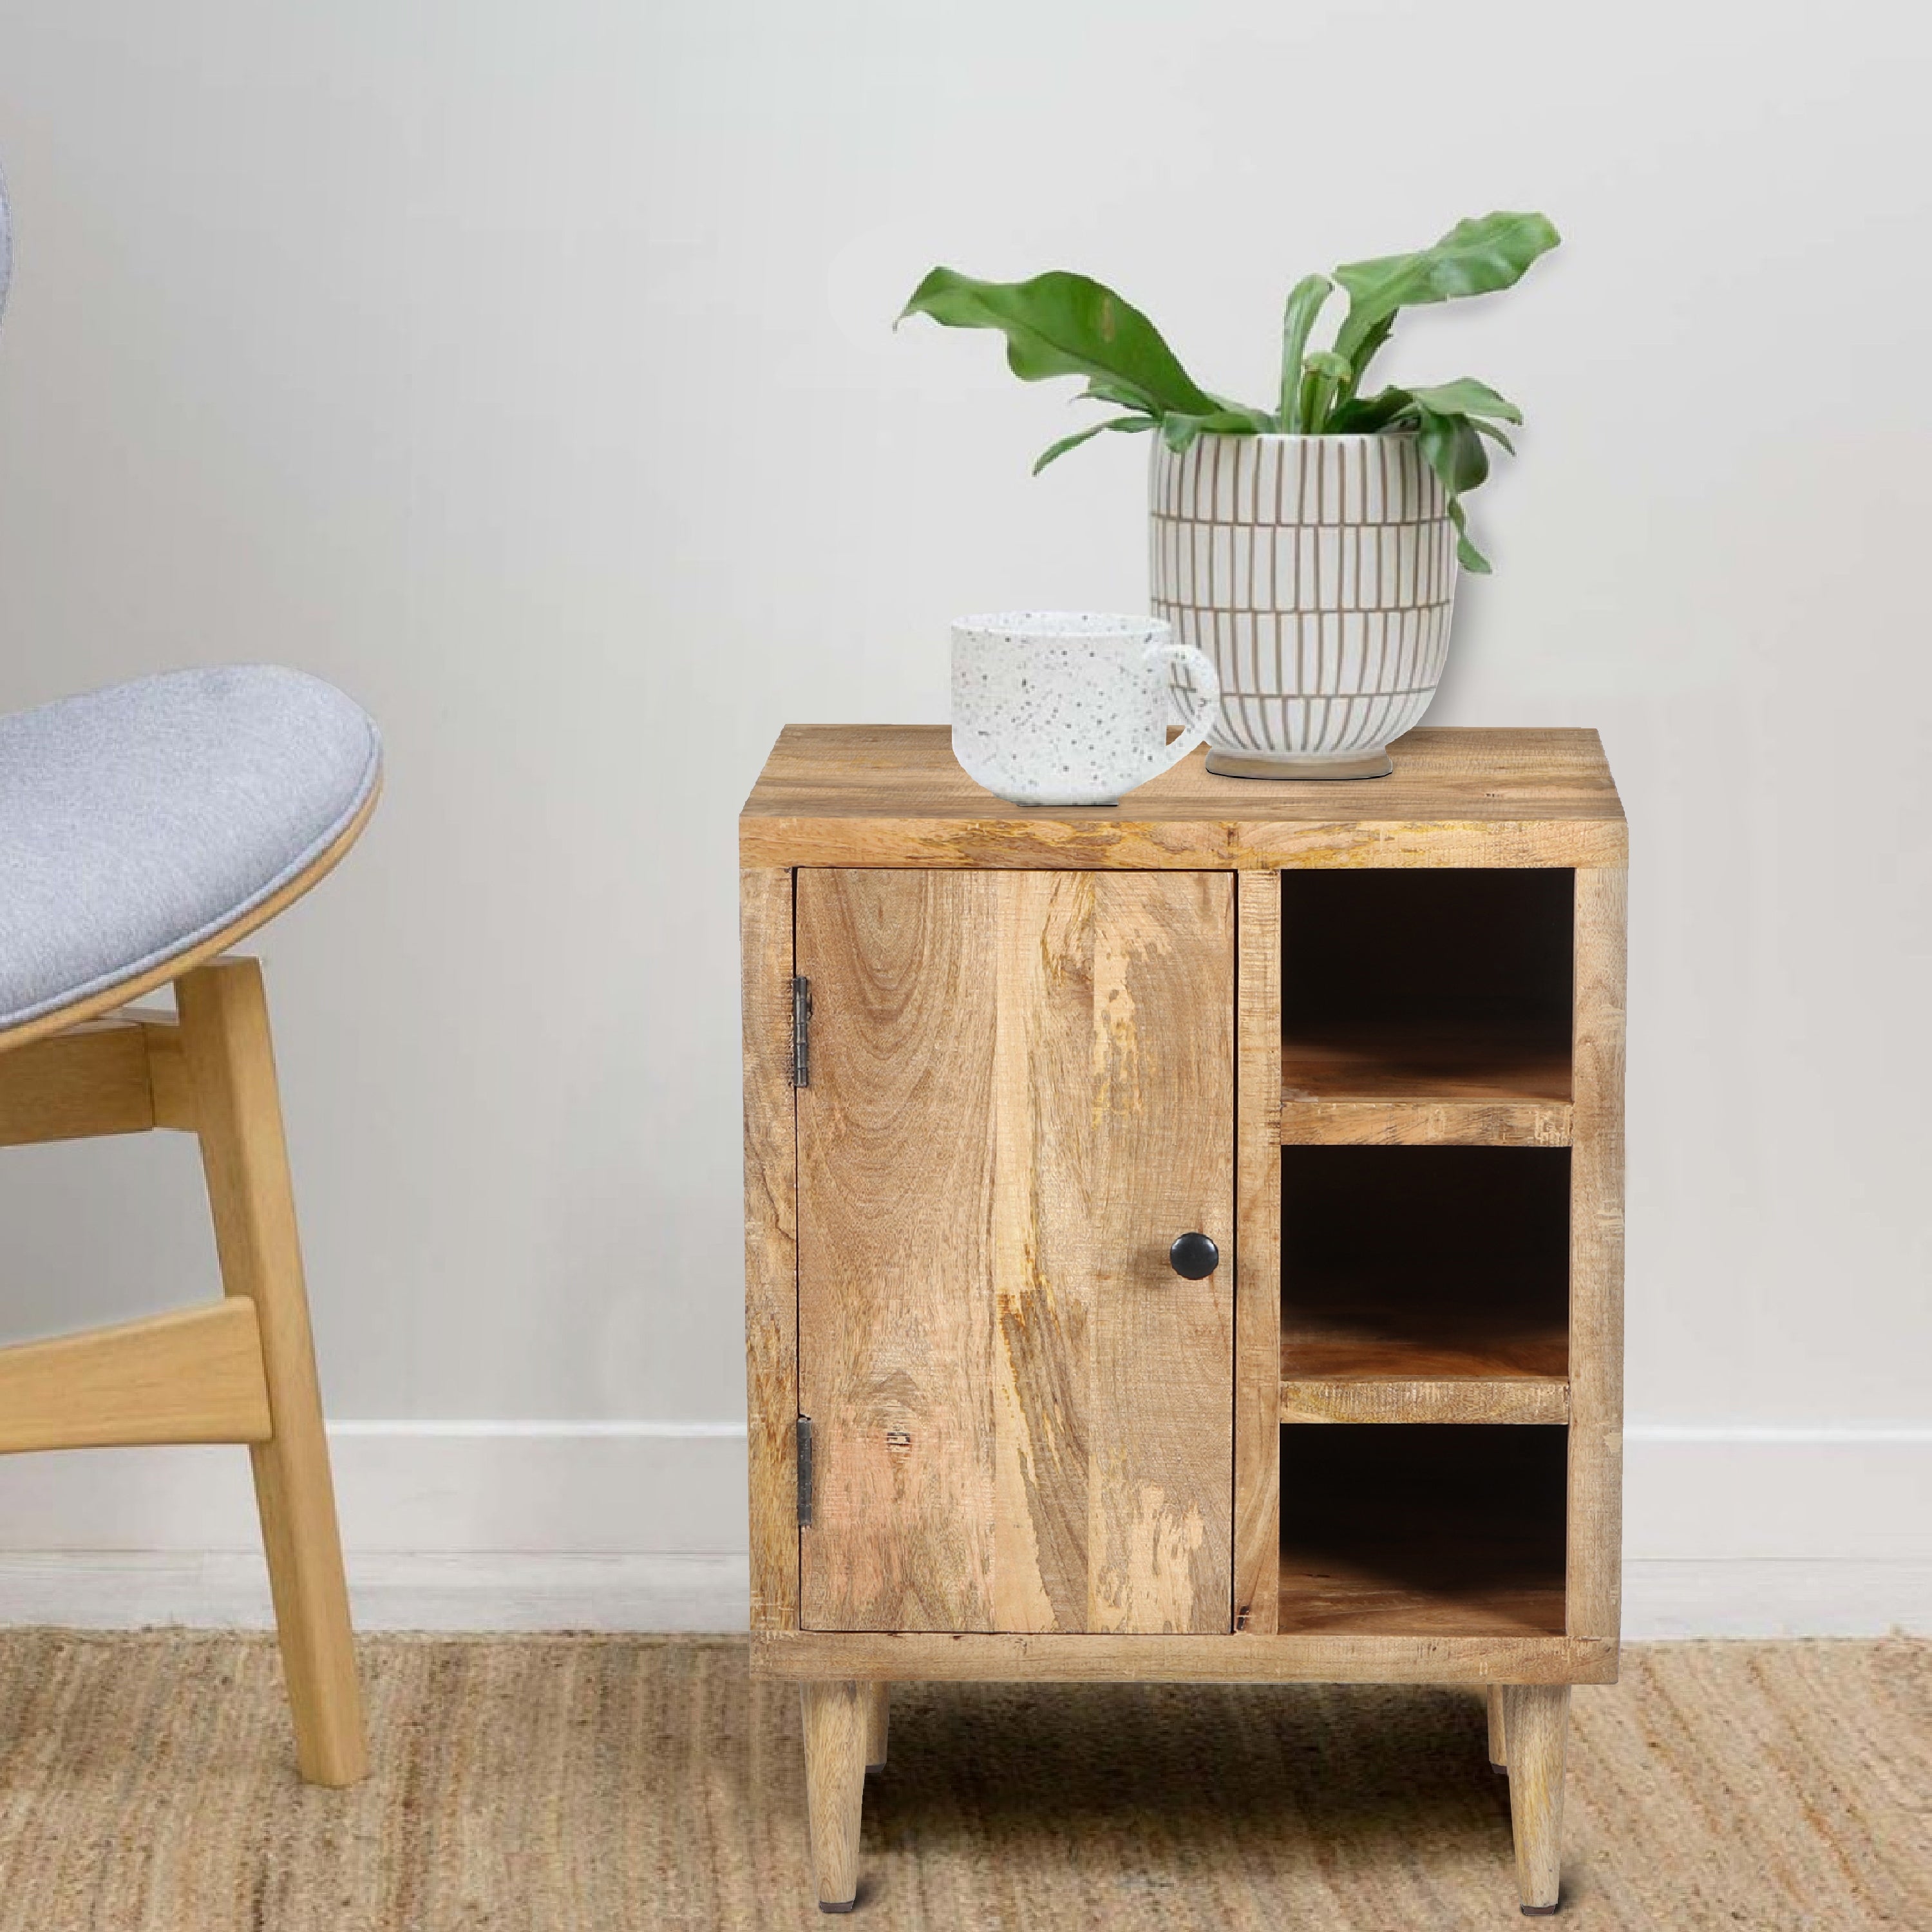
[(641, 1526), (1744, 1597), (484, 1591)]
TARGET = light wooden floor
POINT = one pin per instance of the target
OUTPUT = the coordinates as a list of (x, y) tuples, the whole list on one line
[(588, 1783)]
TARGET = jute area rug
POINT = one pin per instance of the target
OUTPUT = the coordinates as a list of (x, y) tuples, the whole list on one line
[(585, 1782)]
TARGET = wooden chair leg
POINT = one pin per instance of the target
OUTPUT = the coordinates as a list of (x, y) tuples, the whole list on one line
[(225, 1040), (1498, 1750), (1536, 1722), (878, 1713), (835, 1724)]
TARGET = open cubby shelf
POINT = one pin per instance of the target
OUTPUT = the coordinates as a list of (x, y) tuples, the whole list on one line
[(1425, 1284), (1422, 1530), (1426, 1007)]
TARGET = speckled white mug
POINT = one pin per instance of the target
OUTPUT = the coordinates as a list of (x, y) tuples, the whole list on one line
[(1072, 707)]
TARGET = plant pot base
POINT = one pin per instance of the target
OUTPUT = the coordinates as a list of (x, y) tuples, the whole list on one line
[(1374, 764)]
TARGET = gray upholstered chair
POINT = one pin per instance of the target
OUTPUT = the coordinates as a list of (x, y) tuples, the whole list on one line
[(143, 830)]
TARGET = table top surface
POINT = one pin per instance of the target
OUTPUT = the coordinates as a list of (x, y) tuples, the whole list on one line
[(894, 794)]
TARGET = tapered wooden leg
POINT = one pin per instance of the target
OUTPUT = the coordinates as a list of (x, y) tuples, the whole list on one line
[(878, 1713), (835, 1724), (225, 1040), (1499, 1752), (1536, 1722)]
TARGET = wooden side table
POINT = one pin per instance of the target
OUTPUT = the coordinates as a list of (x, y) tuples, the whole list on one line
[(1183, 1240)]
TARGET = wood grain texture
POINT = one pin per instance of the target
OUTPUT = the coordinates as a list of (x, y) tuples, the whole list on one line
[(834, 1715), (1597, 1261), (1346, 1658), (1472, 1399), (1419, 1122), (894, 795), (1505, 1060), (878, 1701), (193, 1376), (1457, 1066), (1407, 1590), (1428, 1083), (224, 1021), (1022, 1091), (1258, 1254), (1499, 1746), (897, 1172), (113, 997), (771, 1245), (1157, 1127), (169, 1084), (1479, 1331), (1055, 1355), (91, 1079), (1536, 1723)]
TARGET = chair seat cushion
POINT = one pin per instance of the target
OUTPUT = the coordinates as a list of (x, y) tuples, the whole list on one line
[(138, 821)]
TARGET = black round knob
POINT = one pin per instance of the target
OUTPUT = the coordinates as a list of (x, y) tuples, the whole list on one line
[(1195, 1257)]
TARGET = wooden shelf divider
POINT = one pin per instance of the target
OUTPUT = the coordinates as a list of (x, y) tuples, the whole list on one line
[(1377, 1360), (1469, 1398), (1498, 1082)]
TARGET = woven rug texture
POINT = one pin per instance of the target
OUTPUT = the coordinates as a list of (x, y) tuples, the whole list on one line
[(578, 1784)]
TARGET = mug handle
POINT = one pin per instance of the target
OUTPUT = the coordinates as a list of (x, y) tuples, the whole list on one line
[(1208, 683)]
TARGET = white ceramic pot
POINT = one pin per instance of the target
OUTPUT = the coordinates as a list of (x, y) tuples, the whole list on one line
[(1318, 573)]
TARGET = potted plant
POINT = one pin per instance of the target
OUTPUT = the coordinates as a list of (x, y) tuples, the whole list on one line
[(1311, 550)]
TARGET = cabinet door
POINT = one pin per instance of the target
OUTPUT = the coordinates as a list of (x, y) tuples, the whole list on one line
[(1020, 1091)]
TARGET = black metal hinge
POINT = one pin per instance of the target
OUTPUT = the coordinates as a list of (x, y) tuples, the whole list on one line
[(801, 1032), (804, 1472)]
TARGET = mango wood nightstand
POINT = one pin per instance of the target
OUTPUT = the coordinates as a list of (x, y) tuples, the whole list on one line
[(1367, 1041)]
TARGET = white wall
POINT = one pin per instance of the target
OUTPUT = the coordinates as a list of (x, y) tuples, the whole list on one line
[(527, 370)]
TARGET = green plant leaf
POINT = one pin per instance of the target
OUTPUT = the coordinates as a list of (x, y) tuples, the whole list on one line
[(1477, 257), (1116, 393), (1324, 374), (1363, 415), (1297, 318), (1454, 450), (1128, 425), (1178, 430), (1059, 324), (1364, 353), (1467, 554), (1489, 429), (1451, 447), (1466, 397)]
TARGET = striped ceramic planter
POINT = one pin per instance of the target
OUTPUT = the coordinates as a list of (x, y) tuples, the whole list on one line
[(1318, 572)]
